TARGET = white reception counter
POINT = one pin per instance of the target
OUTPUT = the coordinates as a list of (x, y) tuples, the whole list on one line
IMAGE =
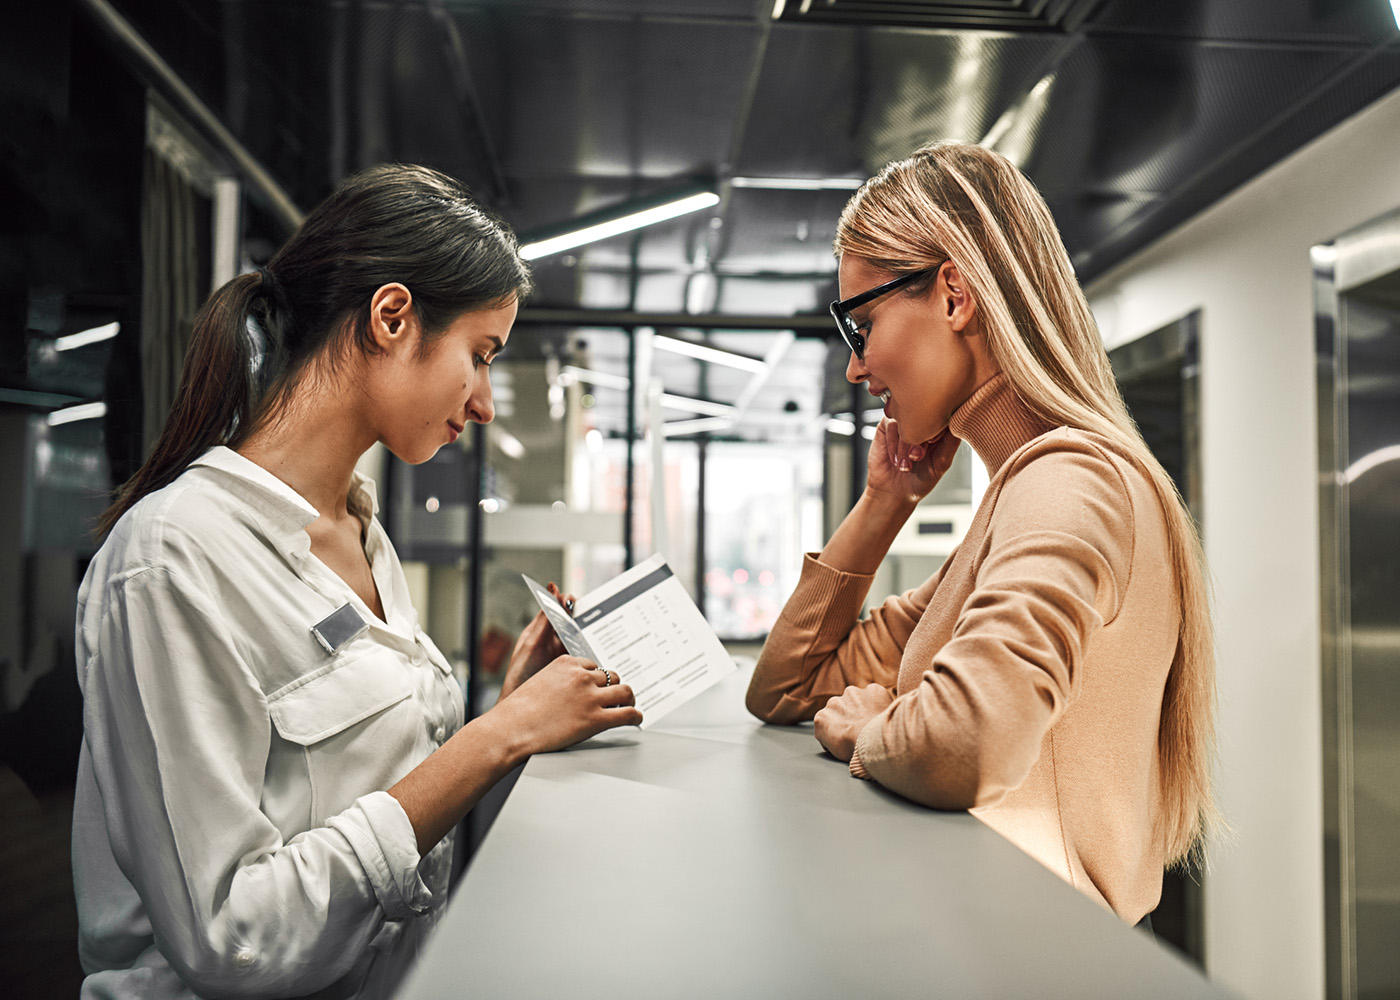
[(713, 856)]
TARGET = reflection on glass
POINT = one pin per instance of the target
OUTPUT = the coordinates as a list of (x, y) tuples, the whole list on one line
[(762, 511)]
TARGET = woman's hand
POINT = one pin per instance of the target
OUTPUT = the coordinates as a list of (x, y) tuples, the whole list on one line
[(903, 471), (569, 700), (841, 721), (536, 646)]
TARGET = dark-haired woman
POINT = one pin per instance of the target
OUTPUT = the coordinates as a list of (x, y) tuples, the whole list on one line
[(274, 754)]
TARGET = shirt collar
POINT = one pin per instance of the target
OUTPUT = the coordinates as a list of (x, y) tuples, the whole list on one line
[(287, 510)]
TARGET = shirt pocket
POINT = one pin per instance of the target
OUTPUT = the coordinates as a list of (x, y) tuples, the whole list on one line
[(355, 729), (308, 712)]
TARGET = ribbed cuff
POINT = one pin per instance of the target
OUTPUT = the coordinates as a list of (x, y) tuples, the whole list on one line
[(857, 768), (832, 598), (866, 743), (383, 839)]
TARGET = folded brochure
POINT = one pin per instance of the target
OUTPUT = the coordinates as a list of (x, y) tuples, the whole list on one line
[(643, 626)]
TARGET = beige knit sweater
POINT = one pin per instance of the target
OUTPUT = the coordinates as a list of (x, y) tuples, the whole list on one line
[(1027, 672)]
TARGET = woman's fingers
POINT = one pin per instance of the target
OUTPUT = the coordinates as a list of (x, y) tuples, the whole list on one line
[(566, 601), (615, 696)]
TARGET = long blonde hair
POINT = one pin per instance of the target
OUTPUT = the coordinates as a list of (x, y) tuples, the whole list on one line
[(953, 201)]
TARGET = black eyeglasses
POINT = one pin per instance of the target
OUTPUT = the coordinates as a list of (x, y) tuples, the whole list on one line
[(841, 309)]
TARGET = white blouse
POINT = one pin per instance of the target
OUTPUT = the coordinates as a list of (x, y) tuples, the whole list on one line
[(232, 835)]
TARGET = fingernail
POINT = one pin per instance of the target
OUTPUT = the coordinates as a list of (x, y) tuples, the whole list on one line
[(916, 452), (904, 466)]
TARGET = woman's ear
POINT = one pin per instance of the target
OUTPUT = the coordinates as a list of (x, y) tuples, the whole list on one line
[(391, 317), (955, 298)]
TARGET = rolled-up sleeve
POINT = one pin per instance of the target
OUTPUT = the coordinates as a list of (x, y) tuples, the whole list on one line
[(179, 731), (1049, 575)]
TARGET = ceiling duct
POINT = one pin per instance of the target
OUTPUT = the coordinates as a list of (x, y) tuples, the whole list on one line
[(1063, 16)]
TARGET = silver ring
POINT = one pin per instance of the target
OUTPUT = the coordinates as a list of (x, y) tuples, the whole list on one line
[(607, 677)]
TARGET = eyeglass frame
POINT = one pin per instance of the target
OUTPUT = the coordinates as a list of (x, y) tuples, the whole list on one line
[(841, 308)]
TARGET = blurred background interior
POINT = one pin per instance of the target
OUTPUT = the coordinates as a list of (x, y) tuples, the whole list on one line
[(1226, 176)]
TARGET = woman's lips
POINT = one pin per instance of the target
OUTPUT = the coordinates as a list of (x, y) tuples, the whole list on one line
[(456, 430)]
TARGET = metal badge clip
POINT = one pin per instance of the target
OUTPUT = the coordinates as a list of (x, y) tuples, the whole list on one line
[(338, 628)]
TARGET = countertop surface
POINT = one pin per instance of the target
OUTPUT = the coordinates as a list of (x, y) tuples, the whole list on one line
[(714, 856)]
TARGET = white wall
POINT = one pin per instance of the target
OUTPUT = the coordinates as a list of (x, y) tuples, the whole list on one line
[(1244, 263)]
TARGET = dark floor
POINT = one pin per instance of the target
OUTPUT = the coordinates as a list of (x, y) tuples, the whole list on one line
[(38, 920)]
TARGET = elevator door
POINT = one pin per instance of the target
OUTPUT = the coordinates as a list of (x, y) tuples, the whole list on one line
[(1358, 285)]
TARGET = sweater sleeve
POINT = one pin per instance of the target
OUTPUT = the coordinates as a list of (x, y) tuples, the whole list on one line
[(1049, 575), (818, 646)]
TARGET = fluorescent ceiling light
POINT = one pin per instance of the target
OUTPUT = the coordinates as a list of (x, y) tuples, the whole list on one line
[(83, 411), (592, 377), (1395, 10), (676, 428), (845, 426), (690, 405), (601, 230), (507, 442), (84, 337), (713, 355), (801, 183)]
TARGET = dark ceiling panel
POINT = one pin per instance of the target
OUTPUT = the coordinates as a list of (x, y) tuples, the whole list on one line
[(653, 9), (612, 97), (1304, 22), (1161, 111), (837, 101), (553, 108), (976, 15), (1366, 79)]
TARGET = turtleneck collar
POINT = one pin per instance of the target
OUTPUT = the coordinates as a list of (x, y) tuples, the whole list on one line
[(995, 422)]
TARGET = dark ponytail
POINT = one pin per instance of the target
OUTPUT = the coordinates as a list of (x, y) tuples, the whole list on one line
[(390, 223)]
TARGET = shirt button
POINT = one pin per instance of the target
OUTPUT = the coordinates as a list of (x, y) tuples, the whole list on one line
[(439, 733), (244, 958)]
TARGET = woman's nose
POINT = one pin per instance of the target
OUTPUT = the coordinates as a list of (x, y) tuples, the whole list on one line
[(481, 407), (856, 370)]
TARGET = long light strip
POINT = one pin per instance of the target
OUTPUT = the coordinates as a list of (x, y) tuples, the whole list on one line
[(845, 426), (622, 224), (83, 411), (714, 355), (690, 405), (800, 183), (84, 337), (676, 428), (1395, 10), (507, 442), (592, 377)]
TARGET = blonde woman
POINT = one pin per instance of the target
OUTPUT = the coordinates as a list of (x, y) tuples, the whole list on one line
[(1056, 675)]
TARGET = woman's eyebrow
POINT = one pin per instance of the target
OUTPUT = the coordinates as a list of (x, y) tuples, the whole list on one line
[(500, 345)]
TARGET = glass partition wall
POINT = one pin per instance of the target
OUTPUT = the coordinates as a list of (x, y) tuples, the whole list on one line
[(730, 452)]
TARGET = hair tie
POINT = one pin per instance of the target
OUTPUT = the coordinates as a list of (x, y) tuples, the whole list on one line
[(270, 289)]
